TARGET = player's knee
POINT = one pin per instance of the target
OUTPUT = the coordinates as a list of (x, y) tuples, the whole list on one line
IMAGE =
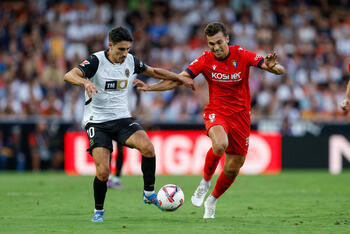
[(148, 150), (231, 172), (103, 176), (219, 148), (102, 173)]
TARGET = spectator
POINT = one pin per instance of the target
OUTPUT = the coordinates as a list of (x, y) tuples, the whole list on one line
[(45, 151), (39, 43)]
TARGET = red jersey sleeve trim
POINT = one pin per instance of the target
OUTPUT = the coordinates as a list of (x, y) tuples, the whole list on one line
[(190, 72), (261, 61)]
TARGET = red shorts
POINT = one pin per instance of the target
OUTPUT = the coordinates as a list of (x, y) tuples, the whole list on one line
[(237, 128)]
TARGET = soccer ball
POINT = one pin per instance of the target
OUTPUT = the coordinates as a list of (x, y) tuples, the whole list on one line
[(170, 197)]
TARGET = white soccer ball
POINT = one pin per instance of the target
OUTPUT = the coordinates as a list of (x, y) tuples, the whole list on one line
[(170, 197)]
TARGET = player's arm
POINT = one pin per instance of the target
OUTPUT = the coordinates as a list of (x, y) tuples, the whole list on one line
[(160, 73), (271, 65), (79, 75), (161, 86), (75, 77), (345, 104)]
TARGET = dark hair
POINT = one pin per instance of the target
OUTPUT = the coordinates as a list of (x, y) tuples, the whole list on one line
[(119, 34), (213, 28)]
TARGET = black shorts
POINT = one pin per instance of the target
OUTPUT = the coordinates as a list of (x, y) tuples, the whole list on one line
[(102, 134)]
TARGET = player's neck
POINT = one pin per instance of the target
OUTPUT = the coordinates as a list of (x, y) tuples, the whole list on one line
[(111, 58), (226, 55)]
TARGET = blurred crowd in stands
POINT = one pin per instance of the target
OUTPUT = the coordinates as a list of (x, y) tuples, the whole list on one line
[(43, 39)]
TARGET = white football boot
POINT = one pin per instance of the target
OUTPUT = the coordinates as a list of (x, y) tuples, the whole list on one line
[(198, 196), (209, 208)]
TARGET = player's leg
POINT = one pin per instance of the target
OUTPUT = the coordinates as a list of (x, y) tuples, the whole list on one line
[(120, 160), (219, 140), (238, 142), (100, 148), (101, 157), (141, 142), (233, 163), (114, 180)]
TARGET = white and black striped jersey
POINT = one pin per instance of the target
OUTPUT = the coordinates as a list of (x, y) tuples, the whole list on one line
[(112, 81)]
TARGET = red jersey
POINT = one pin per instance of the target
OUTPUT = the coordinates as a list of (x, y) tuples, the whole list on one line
[(227, 78)]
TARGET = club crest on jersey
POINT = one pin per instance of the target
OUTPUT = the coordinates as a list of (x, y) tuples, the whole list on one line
[(234, 63), (85, 62), (127, 73), (212, 117), (214, 66)]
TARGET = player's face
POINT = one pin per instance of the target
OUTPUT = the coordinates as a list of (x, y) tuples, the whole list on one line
[(218, 44), (119, 51)]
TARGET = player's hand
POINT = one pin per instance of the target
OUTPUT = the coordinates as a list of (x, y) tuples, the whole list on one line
[(141, 85), (270, 60), (188, 82), (90, 88), (344, 105)]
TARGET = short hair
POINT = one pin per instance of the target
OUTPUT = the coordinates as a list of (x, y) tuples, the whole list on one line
[(213, 28), (119, 34)]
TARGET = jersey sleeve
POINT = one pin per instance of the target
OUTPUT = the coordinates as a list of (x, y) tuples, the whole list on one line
[(253, 59), (139, 66), (89, 66), (195, 68)]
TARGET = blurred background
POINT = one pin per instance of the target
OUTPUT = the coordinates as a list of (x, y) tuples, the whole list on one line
[(41, 40)]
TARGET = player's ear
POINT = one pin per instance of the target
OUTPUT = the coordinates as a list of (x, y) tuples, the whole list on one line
[(110, 44), (227, 39)]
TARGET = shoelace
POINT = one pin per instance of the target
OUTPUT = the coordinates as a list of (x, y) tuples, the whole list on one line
[(210, 211), (200, 191)]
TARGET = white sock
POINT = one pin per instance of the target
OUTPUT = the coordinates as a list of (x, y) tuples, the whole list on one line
[(211, 199), (110, 176), (98, 210), (207, 183), (147, 193), (116, 179)]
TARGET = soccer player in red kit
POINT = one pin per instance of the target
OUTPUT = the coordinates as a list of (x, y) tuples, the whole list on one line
[(227, 116)]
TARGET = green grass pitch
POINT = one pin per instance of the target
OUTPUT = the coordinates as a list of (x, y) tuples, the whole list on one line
[(291, 202)]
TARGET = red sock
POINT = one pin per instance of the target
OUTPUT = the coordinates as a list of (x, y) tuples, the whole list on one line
[(222, 184), (211, 162)]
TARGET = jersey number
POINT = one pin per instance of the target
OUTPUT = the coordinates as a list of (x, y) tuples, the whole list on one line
[(91, 132)]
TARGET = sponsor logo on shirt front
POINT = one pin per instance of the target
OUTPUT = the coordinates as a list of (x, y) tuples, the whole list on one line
[(235, 77), (116, 85)]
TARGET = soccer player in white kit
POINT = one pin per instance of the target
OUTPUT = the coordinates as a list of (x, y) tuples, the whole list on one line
[(105, 75)]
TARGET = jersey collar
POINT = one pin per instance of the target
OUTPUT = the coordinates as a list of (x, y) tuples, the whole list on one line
[(107, 57), (227, 56)]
